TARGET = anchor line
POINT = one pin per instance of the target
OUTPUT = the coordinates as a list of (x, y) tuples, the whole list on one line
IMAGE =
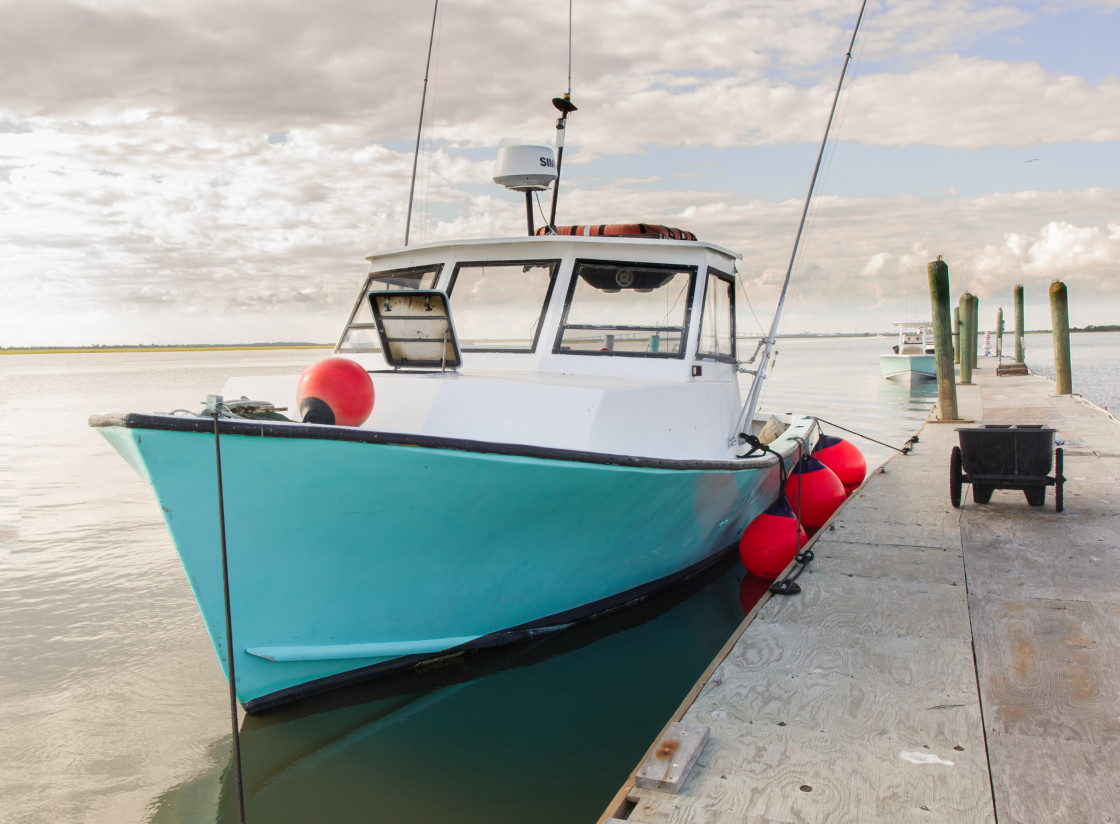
[(229, 625)]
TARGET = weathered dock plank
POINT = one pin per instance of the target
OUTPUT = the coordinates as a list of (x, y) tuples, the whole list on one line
[(941, 664)]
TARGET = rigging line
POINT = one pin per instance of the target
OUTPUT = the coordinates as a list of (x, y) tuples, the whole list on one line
[(747, 298), (420, 125), (676, 300), (540, 209), (756, 385)]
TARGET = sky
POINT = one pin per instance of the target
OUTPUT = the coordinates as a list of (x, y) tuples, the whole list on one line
[(194, 171)]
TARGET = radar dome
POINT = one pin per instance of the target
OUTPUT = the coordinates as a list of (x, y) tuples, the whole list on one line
[(525, 168)]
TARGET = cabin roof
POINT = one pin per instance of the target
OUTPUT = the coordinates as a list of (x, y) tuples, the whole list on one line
[(565, 241)]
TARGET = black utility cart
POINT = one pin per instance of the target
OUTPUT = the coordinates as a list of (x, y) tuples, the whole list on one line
[(1012, 456)]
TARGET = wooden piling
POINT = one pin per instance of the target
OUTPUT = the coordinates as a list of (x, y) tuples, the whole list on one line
[(999, 332), (956, 334), (938, 272), (968, 337), (974, 345), (1019, 323), (1059, 317)]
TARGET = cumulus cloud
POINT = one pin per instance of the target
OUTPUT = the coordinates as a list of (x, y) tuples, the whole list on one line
[(202, 167)]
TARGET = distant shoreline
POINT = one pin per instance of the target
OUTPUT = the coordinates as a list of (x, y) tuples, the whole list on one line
[(238, 347)]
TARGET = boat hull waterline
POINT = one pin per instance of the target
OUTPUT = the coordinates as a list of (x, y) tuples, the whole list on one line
[(354, 553)]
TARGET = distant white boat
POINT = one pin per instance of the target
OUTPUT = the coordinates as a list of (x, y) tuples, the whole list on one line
[(912, 359)]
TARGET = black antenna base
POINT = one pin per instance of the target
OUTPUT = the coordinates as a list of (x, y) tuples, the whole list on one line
[(564, 104)]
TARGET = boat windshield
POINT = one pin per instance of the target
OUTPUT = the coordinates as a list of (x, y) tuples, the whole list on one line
[(361, 332), (497, 306), (717, 321), (627, 309)]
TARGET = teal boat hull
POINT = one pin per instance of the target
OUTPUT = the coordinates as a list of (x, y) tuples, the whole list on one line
[(353, 554)]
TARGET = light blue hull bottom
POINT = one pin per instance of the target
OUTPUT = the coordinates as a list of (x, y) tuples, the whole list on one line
[(349, 557)]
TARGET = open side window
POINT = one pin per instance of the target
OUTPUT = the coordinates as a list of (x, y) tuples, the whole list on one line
[(717, 319), (415, 329), (360, 334)]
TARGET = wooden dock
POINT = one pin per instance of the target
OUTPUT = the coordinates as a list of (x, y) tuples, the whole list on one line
[(940, 665)]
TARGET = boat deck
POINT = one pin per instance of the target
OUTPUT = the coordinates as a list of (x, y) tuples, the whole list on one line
[(940, 665)]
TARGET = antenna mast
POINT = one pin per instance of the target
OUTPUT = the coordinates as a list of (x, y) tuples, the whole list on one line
[(768, 342), (566, 107), (420, 126)]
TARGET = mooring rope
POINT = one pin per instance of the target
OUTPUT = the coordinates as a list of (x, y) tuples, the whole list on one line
[(905, 450), (229, 624), (786, 586)]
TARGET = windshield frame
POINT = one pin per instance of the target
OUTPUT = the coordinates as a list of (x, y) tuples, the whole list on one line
[(692, 270), (552, 264), (729, 281)]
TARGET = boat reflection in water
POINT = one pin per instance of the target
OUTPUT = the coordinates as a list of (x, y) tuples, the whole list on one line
[(545, 730), (913, 397)]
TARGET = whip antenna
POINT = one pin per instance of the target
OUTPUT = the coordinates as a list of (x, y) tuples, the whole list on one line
[(420, 126), (565, 106), (756, 385)]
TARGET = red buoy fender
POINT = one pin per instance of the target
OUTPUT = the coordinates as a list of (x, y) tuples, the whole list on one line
[(335, 391), (814, 491), (771, 540), (843, 458)]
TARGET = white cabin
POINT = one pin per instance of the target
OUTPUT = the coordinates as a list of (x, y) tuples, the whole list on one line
[(615, 345)]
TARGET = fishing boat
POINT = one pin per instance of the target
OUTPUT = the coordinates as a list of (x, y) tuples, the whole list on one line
[(556, 429), (912, 359), (550, 426)]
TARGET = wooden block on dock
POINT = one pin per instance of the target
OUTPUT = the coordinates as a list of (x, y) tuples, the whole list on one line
[(668, 764), (1011, 369)]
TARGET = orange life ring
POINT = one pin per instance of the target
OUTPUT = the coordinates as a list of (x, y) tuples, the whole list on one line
[(647, 230)]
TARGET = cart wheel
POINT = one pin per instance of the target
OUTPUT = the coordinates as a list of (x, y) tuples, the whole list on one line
[(1059, 498), (982, 493), (955, 477), (1036, 495)]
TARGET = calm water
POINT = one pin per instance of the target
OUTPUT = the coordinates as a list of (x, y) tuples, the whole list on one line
[(112, 704), (1092, 357)]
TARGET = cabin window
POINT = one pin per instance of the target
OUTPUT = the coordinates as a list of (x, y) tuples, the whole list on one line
[(632, 309), (499, 306), (717, 323), (360, 334)]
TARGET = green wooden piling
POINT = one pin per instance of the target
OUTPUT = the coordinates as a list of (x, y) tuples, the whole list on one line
[(1019, 323), (974, 345), (968, 337), (956, 334), (1059, 317), (999, 332), (943, 348)]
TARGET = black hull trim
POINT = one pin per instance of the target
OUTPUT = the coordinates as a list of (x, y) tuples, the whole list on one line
[(513, 635), (279, 429)]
